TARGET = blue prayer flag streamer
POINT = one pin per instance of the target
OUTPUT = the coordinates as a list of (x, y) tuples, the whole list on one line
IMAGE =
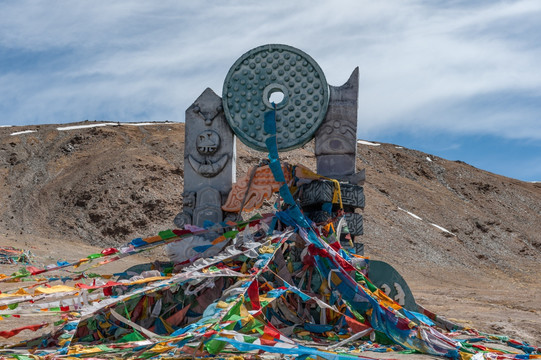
[(270, 122), (138, 242), (202, 248), (272, 146), (286, 194), (415, 316), (276, 169)]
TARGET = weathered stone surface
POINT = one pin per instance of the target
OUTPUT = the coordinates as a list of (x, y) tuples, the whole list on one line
[(336, 150), (208, 206), (355, 223), (354, 220), (209, 154), (269, 69), (358, 246), (352, 195), (319, 216), (321, 191), (186, 216), (336, 165), (335, 140)]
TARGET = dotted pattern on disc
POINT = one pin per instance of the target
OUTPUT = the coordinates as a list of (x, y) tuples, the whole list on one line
[(282, 68)]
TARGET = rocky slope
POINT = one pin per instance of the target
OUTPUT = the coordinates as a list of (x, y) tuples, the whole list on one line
[(441, 223)]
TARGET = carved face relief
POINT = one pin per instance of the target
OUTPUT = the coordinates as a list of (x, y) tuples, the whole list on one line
[(207, 142)]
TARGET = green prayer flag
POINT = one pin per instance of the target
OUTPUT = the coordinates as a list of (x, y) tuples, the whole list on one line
[(134, 336), (22, 357), (167, 234), (231, 234)]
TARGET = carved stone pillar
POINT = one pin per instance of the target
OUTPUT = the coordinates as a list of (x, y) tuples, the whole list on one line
[(209, 161), (336, 151), (336, 138)]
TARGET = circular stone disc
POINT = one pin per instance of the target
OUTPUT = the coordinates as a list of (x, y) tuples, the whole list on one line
[(269, 69)]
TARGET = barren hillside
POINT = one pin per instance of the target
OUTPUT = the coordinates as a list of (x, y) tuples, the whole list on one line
[(455, 232)]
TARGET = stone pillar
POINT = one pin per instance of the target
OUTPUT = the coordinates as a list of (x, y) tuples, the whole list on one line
[(336, 138), (336, 151), (209, 161)]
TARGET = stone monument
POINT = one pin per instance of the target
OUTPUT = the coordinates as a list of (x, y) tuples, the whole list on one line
[(209, 161), (336, 151), (308, 108)]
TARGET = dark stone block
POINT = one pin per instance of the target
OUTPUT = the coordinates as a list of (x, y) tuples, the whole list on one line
[(355, 223), (336, 165), (321, 191)]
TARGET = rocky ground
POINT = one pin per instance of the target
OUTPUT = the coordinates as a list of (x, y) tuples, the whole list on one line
[(87, 189)]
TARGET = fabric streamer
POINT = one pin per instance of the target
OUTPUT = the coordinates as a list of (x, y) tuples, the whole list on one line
[(11, 333)]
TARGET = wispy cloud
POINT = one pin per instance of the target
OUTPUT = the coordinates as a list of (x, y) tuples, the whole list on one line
[(424, 65)]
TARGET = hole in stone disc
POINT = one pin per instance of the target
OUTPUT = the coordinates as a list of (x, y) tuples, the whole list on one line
[(276, 97)]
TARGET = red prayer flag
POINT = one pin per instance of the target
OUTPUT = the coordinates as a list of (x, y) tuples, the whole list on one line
[(253, 293), (356, 326), (10, 333), (109, 251)]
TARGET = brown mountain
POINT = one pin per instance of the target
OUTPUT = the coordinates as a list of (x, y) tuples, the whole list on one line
[(468, 241)]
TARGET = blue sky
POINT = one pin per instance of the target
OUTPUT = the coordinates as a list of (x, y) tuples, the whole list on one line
[(457, 79)]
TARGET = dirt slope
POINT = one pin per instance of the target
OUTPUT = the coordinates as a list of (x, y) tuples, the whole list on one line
[(106, 185)]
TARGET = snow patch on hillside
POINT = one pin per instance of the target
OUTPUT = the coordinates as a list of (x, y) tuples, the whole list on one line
[(443, 229), (76, 127), (23, 132), (362, 142), (410, 213), (419, 218)]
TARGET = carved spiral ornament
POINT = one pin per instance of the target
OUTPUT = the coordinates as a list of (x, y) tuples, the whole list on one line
[(270, 69)]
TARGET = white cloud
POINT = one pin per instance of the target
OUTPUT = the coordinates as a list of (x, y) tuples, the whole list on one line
[(421, 64)]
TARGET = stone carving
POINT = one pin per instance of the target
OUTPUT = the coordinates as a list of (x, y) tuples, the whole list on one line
[(355, 223), (338, 132), (269, 69), (208, 168), (208, 114), (188, 205), (352, 195), (336, 139), (262, 187), (208, 206), (319, 192), (336, 150), (209, 148), (319, 216), (309, 107), (208, 142)]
